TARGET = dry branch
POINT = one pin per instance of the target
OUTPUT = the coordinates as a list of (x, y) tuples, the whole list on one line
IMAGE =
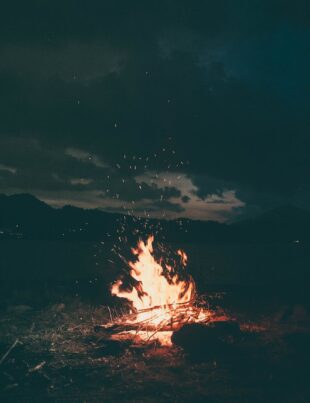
[(177, 316), (9, 350)]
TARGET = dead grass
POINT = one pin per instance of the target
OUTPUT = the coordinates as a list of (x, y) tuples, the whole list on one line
[(59, 357)]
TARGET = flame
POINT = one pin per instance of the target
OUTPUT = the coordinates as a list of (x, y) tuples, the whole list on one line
[(162, 296), (153, 288)]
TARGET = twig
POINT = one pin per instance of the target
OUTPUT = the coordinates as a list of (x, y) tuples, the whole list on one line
[(9, 350), (110, 314), (37, 367), (177, 317), (167, 318), (153, 334)]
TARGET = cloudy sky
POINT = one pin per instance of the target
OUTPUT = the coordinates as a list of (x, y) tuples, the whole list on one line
[(164, 108)]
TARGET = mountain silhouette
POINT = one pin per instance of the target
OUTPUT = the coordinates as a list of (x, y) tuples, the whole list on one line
[(23, 216)]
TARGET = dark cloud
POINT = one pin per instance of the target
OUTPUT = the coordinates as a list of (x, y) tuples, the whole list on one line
[(131, 190), (185, 199), (148, 87), (74, 176), (207, 186), (162, 207)]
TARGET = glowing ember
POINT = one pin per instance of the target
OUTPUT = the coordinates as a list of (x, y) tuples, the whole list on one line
[(162, 296)]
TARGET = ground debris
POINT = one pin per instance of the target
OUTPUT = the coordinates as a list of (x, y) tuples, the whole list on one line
[(62, 358), (109, 347)]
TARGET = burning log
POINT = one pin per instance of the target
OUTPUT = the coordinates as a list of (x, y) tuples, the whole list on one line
[(178, 317), (173, 318)]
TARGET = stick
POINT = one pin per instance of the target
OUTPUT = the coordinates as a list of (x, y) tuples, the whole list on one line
[(110, 314), (9, 350), (179, 315), (37, 367)]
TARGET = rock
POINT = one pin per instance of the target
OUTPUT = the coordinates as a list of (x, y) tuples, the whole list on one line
[(208, 341)]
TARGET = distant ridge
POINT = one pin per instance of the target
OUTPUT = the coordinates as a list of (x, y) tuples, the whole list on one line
[(23, 216)]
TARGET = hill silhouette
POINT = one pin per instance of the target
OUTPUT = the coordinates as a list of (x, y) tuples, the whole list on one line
[(23, 216)]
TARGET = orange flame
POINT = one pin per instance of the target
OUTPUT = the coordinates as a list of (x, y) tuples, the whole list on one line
[(161, 297), (154, 288)]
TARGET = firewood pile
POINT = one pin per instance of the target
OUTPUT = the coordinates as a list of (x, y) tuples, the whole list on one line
[(161, 319)]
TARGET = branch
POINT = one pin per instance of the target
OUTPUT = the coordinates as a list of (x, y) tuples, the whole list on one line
[(9, 350)]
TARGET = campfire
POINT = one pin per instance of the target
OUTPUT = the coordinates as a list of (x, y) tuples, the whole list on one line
[(162, 296)]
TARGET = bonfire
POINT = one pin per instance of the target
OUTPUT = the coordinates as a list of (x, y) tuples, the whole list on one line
[(162, 296)]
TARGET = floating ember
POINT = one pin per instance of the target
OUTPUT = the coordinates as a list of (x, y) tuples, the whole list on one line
[(162, 295)]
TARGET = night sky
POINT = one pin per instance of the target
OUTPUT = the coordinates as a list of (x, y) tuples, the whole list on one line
[(197, 109)]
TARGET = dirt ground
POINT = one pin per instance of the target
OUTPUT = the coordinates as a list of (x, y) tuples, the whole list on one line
[(57, 356)]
